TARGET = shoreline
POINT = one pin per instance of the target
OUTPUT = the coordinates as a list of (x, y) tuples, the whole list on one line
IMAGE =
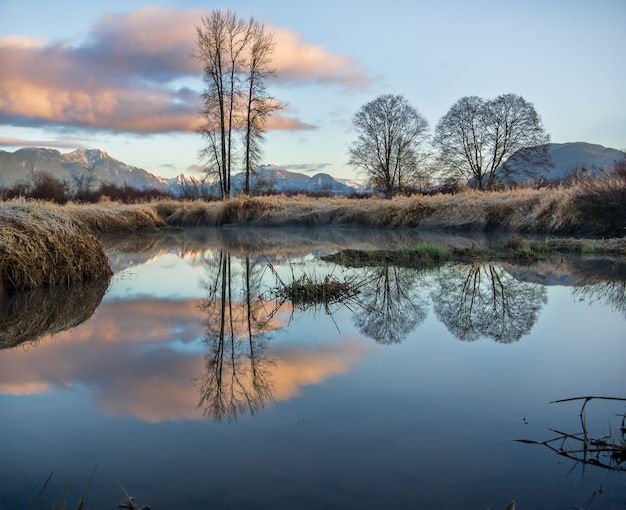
[(43, 244)]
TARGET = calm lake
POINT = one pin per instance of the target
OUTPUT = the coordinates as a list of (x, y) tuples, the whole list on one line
[(196, 380)]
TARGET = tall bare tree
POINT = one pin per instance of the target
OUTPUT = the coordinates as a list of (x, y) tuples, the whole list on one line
[(476, 137), (389, 148), (235, 54), (258, 104)]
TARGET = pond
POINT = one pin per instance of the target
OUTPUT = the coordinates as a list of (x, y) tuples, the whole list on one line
[(232, 369)]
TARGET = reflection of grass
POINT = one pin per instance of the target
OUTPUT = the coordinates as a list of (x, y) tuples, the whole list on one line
[(430, 254), (305, 291), (27, 316)]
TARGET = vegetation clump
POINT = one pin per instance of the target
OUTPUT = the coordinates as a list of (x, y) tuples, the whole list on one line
[(306, 291), (419, 255), (43, 248)]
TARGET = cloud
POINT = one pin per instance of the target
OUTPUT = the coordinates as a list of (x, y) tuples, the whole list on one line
[(307, 167), (300, 62), (59, 144), (126, 75)]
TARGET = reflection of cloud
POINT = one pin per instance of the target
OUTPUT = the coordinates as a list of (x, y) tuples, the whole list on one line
[(299, 367), (140, 358), (122, 77)]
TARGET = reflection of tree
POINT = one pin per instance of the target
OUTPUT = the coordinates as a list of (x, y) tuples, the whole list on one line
[(611, 293), (236, 380), (389, 311), (484, 300)]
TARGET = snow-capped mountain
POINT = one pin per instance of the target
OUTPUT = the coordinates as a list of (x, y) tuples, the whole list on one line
[(568, 160), (278, 178), (18, 167)]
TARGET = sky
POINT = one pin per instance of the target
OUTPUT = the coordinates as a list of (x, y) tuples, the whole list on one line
[(117, 75)]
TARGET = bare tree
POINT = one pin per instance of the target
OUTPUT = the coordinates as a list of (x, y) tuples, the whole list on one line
[(476, 137), (235, 54), (389, 148), (258, 105)]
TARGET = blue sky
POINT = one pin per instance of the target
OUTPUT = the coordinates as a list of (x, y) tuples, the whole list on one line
[(115, 75)]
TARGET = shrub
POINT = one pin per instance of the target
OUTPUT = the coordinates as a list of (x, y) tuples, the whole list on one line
[(601, 201), (47, 187)]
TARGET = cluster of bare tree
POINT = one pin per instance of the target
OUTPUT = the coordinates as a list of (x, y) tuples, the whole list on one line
[(236, 56), (473, 141)]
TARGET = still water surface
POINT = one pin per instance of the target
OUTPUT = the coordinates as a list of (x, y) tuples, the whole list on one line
[(192, 379)]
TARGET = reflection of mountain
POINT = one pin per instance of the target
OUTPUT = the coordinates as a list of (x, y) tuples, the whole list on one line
[(484, 300), (593, 278), (30, 315)]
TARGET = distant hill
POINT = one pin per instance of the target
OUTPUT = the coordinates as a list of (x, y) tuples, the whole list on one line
[(19, 167), (278, 178), (570, 159)]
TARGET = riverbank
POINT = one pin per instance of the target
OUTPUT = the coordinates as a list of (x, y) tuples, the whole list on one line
[(43, 244)]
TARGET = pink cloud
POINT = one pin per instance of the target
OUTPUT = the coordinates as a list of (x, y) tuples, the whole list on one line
[(123, 77), (300, 62)]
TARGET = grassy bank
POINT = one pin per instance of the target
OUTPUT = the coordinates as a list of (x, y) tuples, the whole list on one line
[(590, 208), (43, 247), (593, 208), (42, 244)]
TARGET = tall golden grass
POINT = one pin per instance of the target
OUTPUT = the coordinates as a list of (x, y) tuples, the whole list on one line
[(42, 247), (591, 207)]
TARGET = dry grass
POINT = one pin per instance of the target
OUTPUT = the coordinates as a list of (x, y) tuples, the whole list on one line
[(114, 217), (587, 208), (41, 247), (561, 210)]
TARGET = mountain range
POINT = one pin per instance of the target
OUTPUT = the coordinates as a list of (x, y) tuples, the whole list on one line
[(19, 166)]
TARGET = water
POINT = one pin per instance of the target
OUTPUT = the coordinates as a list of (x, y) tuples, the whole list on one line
[(193, 380)]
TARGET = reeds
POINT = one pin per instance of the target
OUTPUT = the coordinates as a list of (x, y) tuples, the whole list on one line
[(41, 247), (305, 291), (593, 207), (607, 451)]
